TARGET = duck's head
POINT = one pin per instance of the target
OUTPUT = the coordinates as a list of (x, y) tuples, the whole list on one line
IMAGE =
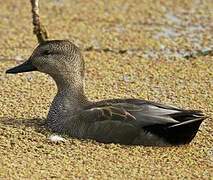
[(56, 58)]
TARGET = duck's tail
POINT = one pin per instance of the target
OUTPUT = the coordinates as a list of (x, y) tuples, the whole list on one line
[(184, 131)]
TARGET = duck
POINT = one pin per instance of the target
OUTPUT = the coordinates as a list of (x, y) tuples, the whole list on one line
[(120, 121)]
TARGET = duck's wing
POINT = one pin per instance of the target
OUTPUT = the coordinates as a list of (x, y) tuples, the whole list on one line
[(142, 122)]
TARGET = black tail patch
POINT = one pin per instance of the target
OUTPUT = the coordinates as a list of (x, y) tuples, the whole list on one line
[(184, 132), (181, 133)]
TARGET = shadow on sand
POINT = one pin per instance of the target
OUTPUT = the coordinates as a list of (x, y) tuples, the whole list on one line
[(37, 124)]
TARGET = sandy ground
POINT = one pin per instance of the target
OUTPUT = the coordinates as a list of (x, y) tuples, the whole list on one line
[(138, 50)]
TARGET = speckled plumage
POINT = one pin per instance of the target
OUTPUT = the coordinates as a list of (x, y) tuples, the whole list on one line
[(124, 121)]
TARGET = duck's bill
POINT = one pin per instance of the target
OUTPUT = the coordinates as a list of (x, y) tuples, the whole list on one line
[(25, 67)]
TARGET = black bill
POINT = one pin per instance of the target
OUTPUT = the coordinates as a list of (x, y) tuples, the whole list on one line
[(25, 67)]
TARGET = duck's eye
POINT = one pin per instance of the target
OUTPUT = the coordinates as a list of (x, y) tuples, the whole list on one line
[(47, 52)]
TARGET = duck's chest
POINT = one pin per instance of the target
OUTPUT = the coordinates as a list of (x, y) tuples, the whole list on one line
[(62, 116)]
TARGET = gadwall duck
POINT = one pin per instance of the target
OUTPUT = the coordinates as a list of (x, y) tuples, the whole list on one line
[(123, 121)]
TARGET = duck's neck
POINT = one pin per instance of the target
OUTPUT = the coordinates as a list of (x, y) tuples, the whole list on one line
[(69, 99), (72, 88)]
